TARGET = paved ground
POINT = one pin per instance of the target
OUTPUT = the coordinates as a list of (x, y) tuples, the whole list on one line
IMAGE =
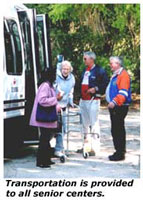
[(23, 166)]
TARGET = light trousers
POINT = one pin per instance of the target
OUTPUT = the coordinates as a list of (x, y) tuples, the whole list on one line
[(90, 121)]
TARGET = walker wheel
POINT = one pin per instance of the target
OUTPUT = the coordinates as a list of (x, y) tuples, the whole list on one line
[(85, 155), (62, 159)]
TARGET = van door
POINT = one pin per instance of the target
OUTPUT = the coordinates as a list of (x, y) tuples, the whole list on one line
[(13, 85), (14, 74), (27, 20)]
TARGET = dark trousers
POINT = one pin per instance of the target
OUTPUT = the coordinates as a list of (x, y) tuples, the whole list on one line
[(44, 149), (117, 116)]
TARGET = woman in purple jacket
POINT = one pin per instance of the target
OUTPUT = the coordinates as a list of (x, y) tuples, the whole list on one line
[(46, 97)]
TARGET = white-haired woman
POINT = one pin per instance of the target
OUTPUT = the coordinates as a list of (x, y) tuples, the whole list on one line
[(65, 83)]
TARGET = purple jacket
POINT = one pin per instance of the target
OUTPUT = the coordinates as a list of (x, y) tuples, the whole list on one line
[(45, 96)]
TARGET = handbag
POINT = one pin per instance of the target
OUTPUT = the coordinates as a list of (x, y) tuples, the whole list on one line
[(46, 114)]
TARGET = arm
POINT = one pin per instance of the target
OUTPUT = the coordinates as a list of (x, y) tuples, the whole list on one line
[(103, 82), (100, 84), (44, 96), (71, 92), (57, 89), (123, 84), (71, 97)]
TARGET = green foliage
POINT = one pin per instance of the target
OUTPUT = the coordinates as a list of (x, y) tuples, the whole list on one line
[(107, 29)]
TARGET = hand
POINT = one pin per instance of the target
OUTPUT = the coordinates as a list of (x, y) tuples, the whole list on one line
[(71, 105), (58, 108), (91, 91), (111, 105), (59, 96)]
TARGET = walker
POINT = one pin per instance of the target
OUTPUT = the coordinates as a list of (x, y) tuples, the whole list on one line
[(68, 115), (63, 156)]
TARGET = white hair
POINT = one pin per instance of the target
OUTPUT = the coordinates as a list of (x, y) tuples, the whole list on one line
[(90, 54), (67, 63), (117, 59)]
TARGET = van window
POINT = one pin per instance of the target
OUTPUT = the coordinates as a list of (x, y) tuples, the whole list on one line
[(8, 51), (42, 56), (13, 49), (26, 33)]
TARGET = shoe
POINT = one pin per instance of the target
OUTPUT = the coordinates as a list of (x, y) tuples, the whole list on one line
[(58, 154), (92, 153), (43, 166), (80, 150), (51, 162), (117, 157)]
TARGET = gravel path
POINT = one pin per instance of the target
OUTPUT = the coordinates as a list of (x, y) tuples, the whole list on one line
[(23, 166)]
